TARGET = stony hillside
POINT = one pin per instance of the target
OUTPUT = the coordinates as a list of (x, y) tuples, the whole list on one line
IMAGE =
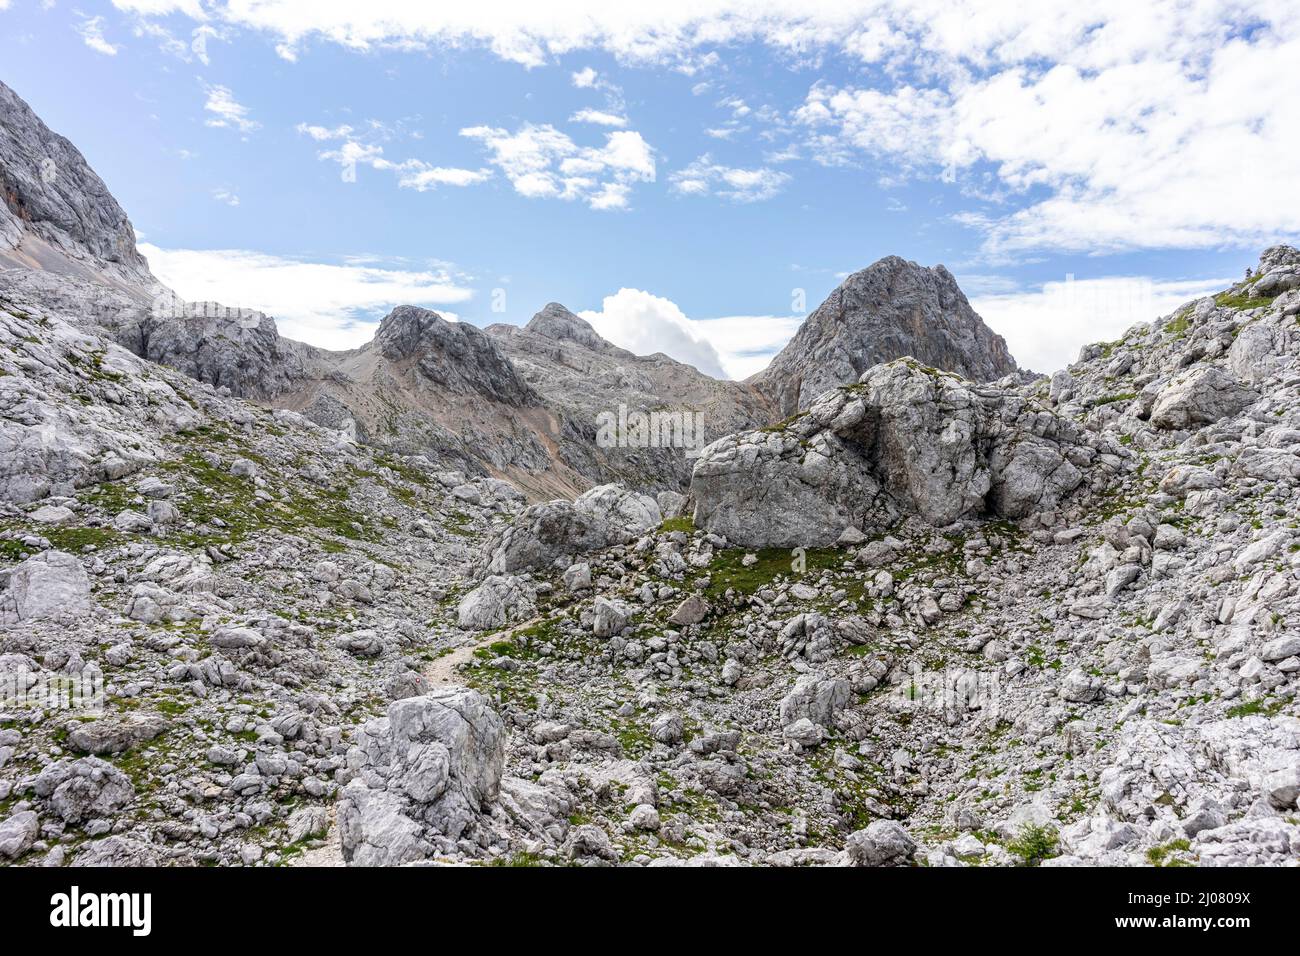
[(999, 624), (892, 308)]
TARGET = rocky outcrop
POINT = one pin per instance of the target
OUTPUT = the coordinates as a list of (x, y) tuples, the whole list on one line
[(890, 309), (551, 534), (72, 402), (428, 773), (84, 789), (498, 601), (904, 440), (457, 356), (1200, 397), (52, 584), (238, 349), (57, 214)]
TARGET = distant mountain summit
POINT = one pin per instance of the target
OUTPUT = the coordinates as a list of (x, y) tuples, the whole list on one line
[(888, 310), (57, 215)]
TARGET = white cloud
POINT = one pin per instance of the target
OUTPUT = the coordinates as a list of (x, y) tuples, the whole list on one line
[(160, 8), (423, 178), (671, 31), (225, 196), (411, 173), (92, 34), (598, 117), (1118, 126), (704, 177), (747, 343), (332, 305), (227, 112), (644, 324), (732, 347), (542, 162), (1099, 125), (324, 133), (1046, 328)]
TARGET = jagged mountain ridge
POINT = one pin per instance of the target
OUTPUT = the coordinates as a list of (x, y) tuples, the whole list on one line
[(1042, 621)]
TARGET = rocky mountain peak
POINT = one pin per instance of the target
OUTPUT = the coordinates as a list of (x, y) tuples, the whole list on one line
[(405, 330), (554, 321), (57, 215), (888, 310), (456, 355)]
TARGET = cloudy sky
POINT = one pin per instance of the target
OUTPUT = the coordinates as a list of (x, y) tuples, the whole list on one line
[(692, 176)]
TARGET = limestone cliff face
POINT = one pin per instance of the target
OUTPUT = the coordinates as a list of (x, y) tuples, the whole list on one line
[(890, 309), (57, 215)]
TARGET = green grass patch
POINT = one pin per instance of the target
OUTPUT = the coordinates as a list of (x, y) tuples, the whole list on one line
[(1035, 844), (1240, 300)]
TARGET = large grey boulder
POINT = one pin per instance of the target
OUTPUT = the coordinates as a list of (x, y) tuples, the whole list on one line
[(52, 584), (816, 698), (18, 833), (905, 440), (880, 843), (1199, 397), (551, 534), (498, 601), (428, 773), (110, 735), (890, 309), (627, 513), (83, 789)]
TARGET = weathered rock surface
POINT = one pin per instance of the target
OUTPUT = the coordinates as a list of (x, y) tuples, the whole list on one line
[(57, 214), (427, 773), (905, 439), (891, 309), (553, 533), (52, 584)]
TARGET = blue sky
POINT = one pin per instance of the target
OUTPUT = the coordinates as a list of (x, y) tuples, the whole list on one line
[(680, 173)]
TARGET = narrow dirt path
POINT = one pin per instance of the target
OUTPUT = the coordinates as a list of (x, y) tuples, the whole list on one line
[(443, 670)]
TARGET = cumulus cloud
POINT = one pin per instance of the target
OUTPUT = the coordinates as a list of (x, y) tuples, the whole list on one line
[(333, 305), (705, 177), (1046, 327), (227, 112), (1106, 125), (1119, 127), (731, 347), (645, 324), (541, 162)]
